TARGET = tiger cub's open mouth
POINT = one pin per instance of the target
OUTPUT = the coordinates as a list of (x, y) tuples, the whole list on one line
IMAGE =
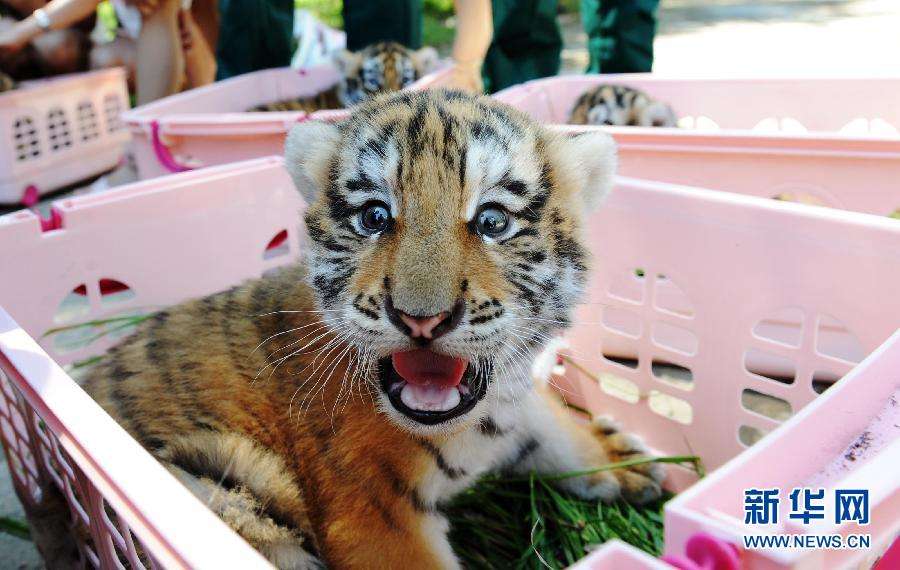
[(430, 387)]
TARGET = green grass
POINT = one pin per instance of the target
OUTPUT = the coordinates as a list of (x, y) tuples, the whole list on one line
[(435, 31), (15, 527), (80, 335), (329, 11), (527, 523)]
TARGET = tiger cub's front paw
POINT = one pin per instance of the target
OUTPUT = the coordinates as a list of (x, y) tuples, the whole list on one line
[(638, 484)]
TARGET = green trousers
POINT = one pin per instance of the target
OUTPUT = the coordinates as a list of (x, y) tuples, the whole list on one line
[(620, 34), (370, 21), (527, 41), (254, 35)]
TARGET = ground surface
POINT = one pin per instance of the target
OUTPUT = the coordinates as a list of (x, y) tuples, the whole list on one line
[(700, 37)]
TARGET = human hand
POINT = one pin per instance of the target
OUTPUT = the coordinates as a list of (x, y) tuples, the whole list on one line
[(186, 30), (145, 7), (466, 76), (12, 37)]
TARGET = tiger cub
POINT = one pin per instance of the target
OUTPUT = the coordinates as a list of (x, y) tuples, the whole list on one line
[(7, 83), (620, 105), (379, 68), (328, 412)]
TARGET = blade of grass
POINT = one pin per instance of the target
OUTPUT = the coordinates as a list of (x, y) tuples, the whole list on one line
[(97, 323), (15, 527), (678, 459)]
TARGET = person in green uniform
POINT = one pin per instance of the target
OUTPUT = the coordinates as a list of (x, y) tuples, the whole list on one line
[(254, 35), (620, 34), (527, 41), (371, 21), (526, 44)]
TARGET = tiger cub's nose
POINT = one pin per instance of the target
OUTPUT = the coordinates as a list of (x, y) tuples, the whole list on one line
[(424, 329)]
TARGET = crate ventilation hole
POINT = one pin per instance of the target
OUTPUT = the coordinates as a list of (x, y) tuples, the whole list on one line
[(277, 246), (76, 308), (58, 129), (87, 121), (821, 361), (627, 319), (780, 125), (25, 139), (865, 126), (112, 111), (700, 123)]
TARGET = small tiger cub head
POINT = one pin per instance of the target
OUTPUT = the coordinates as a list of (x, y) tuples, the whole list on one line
[(380, 68), (619, 105), (445, 243), (7, 83)]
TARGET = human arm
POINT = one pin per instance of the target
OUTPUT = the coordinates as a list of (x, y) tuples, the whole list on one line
[(58, 14), (474, 30)]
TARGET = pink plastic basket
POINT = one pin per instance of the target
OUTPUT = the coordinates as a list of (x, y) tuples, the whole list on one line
[(718, 272), (832, 142), (59, 131), (210, 126)]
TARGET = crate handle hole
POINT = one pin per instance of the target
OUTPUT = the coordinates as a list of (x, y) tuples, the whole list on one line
[(114, 291), (277, 246), (73, 306)]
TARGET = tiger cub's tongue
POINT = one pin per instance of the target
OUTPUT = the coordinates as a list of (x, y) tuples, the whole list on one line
[(424, 367)]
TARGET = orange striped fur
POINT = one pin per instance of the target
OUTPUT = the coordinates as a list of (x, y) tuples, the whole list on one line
[(268, 400), (380, 68)]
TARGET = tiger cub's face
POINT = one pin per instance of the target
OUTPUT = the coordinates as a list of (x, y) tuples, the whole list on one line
[(380, 68), (445, 244), (6, 82), (620, 105)]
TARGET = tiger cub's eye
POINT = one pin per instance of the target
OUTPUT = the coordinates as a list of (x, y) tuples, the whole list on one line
[(491, 221), (374, 217)]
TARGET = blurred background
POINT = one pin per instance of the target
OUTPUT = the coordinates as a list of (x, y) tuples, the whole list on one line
[(735, 37)]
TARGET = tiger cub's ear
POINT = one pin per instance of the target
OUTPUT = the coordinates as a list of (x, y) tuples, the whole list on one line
[(307, 152), (595, 161), (347, 62), (426, 60)]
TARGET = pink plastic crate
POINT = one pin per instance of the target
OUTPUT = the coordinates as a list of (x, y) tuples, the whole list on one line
[(849, 438), (734, 261), (59, 131), (830, 141), (210, 126)]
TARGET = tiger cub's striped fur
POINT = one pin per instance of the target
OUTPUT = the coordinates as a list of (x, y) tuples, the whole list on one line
[(379, 68), (7, 83), (619, 105), (320, 411)]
